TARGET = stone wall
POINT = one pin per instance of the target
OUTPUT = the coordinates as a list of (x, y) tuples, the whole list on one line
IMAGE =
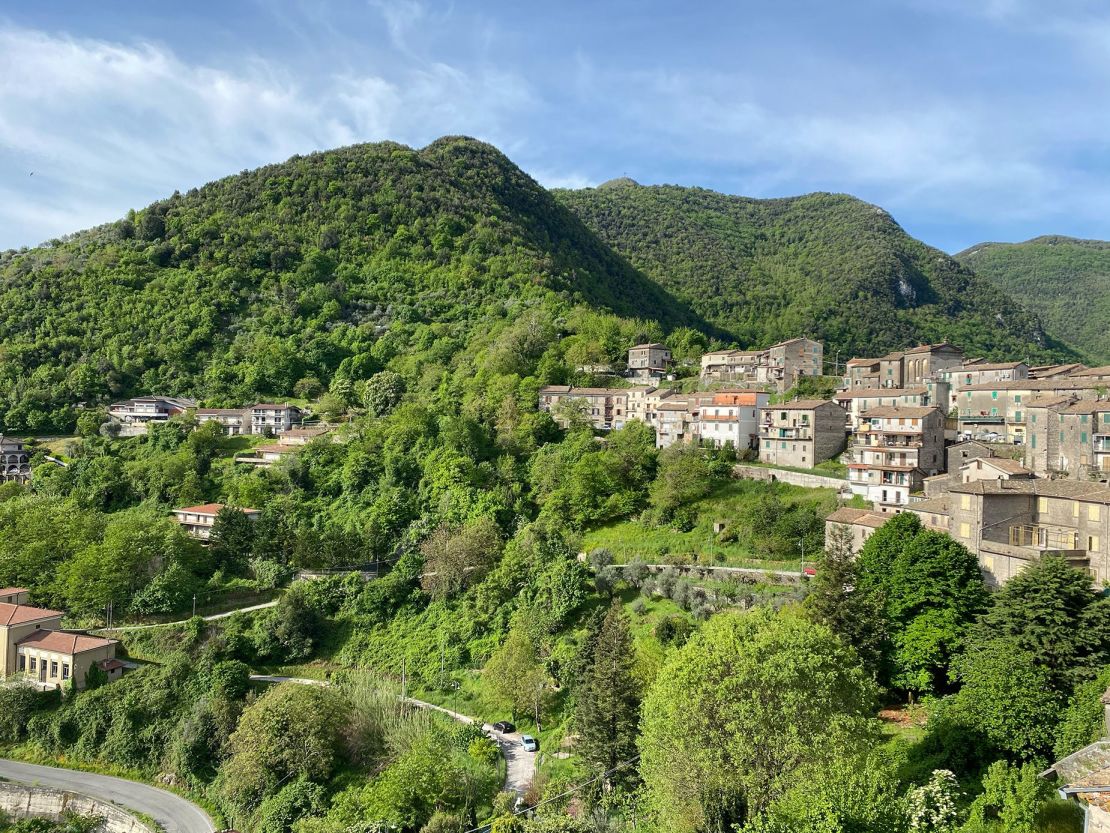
[(22, 802), (795, 478)]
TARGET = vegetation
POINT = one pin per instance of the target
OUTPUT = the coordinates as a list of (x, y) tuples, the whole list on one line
[(825, 265), (1062, 279)]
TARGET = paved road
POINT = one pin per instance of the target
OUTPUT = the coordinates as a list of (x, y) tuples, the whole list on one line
[(520, 766), (211, 618), (175, 814)]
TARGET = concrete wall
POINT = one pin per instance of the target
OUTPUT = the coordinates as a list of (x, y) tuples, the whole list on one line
[(22, 802), (794, 478)]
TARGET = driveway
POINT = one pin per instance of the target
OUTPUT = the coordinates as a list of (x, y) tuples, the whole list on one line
[(175, 814)]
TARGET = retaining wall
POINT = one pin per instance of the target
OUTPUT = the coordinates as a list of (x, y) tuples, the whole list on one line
[(795, 478), (22, 802)]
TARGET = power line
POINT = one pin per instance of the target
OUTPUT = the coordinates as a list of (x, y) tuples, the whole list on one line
[(571, 791)]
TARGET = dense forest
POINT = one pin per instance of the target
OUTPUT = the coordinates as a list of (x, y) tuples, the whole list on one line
[(1064, 280), (827, 265)]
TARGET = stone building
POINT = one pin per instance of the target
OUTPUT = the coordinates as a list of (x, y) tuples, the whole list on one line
[(605, 408), (893, 450), (1068, 438), (802, 433), (649, 360)]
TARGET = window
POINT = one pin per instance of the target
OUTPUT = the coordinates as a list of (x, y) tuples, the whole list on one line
[(1082, 437), (1092, 543), (965, 530), (53, 668), (1042, 504), (782, 445), (1093, 512), (965, 502), (1017, 416), (1033, 419), (1075, 508), (22, 662), (65, 670), (994, 394), (1017, 398), (1083, 419), (988, 563), (1034, 438), (34, 664)]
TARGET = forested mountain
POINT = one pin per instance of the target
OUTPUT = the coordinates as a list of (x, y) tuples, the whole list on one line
[(828, 265), (1064, 280), (250, 284)]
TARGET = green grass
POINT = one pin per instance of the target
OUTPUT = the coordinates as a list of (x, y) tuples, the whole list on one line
[(631, 540), (835, 470)]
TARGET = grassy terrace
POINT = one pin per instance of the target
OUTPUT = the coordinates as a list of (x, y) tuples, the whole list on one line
[(740, 545)]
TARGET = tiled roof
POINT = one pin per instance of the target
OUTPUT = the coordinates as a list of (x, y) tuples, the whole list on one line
[(1002, 464), (219, 411), (861, 517), (1068, 383), (853, 362), (935, 505), (1093, 371), (928, 348), (655, 345), (1070, 489), (570, 391), (996, 366), (19, 614), (1087, 406), (62, 642), (799, 405), (1048, 401), (912, 411), (272, 406), (876, 393), (11, 591)]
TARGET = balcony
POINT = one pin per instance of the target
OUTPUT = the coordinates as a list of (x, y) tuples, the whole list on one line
[(983, 419), (1102, 442), (1035, 536)]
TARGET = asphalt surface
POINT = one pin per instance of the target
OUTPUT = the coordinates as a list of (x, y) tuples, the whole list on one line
[(175, 814), (212, 618)]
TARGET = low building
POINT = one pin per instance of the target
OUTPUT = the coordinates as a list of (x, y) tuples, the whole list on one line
[(893, 450), (732, 417), (730, 366), (235, 421), (264, 456), (1013, 523), (1093, 374), (35, 647), (267, 418), (802, 433), (933, 512), (862, 374), (303, 435), (1055, 371), (134, 415), (993, 468), (15, 462), (604, 408), (198, 520), (649, 360), (1084, 777), (861, 523)]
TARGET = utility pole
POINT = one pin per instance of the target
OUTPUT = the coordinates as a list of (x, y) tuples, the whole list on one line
[(404, 683), (194, 605)]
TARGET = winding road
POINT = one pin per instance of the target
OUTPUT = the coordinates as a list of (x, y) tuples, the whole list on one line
[(210, 618), (175, 814)]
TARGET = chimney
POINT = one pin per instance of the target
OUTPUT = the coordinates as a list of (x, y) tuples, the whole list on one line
[(1106, 714)]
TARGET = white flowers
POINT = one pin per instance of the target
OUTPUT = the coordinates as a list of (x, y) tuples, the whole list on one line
[(932, 806)]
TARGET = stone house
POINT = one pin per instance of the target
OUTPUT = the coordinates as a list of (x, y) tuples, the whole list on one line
[(15, 462), (862, 374), (730, 365), (649, 360), (1000, 407), (198, 520), (783, 364), (855, 402), (1012, 523), (893, 449), (1069, 438), (862, 523), (802, 433), (605, 408)]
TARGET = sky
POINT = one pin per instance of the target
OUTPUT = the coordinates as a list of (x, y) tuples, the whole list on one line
[(968, 120)]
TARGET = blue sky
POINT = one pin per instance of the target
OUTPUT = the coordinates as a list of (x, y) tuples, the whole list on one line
[(968, 120)]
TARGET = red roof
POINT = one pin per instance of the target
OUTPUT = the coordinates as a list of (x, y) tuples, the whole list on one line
[(64, 643), (210, 509), (11, 591), (111, 664), (20, 614)]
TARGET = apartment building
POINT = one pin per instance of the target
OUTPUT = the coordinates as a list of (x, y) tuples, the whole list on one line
[(732, 417), (893, 450), (134, 415), (15, 462), (1000, 407), (1068, 438), (649, 360), (605, 408), (730, 366), (857, 401), (802, 433), (862, 373), (979, 372), (268, 418), (235, 421), (640, 404), (198, 521), (675, 421), (1013, 523), (783, 364)]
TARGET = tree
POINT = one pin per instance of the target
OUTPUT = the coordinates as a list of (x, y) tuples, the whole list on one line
[(683, 477), (292, 731), (457, 557), (835, 600), (740, 708), (1050, 611), (608, 704), (382, 392), (232, 540), (1010, 802), (1084, 722), (930, 589), (517, 679)]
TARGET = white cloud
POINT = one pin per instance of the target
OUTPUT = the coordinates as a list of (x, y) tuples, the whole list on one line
[(108, 126)]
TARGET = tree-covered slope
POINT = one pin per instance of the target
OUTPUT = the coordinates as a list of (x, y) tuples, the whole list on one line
[(1064, 280), (252, 283), (827, 265)]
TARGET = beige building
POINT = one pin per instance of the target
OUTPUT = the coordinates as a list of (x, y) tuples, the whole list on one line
[(235, 421), (893, 450), (1069, 438), (859, 400), (36, 649), (905, 368), (1012, 523), (198, 520), (649, 360), (979, 372), (802, 433), (993, 468), (605, 408), (862, 524), (730, 366), (134, 415), (1000, 407), (862, 374), (15, 462)]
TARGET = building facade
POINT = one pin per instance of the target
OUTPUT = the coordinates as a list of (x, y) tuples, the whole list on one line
[(15, 462), (732, 417), (649, 360), (134, 415), (893, 450), (604, 408), (1068, 438), (197, 521), (801, 433)]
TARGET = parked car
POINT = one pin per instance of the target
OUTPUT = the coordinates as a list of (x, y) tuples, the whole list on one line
[(810, 571), (504, 726), (530, 744)]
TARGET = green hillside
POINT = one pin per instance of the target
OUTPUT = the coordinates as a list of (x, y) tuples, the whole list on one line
[(246, 286), (828, 265), (1064, 280)]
